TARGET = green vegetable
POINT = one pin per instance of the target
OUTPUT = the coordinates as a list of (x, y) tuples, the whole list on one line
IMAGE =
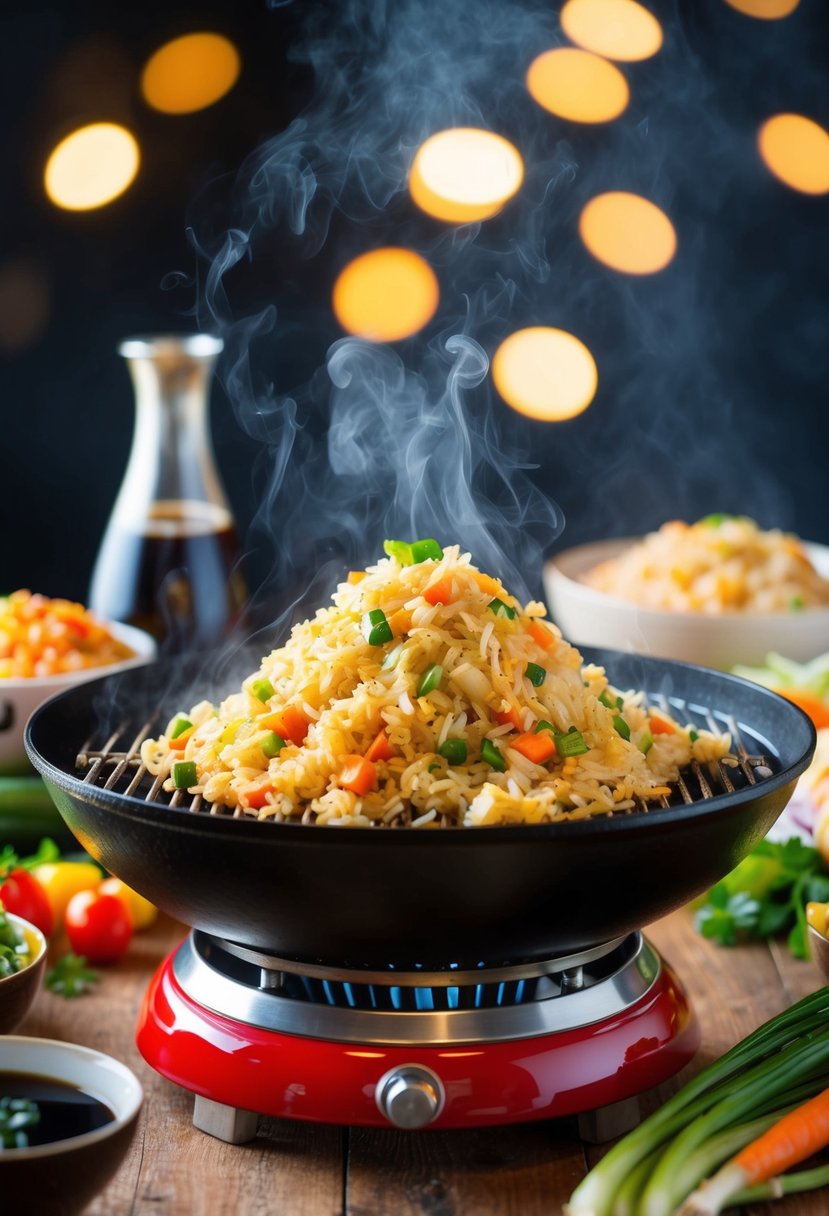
[(764, 895), (656, 1165), (454, 750), (796, 603), (430, 680), (492, 756), (535, 674), (610, 702), (262, 689), (272, 744), (180, 725), (621, 725), (715, 521), (184, 774), (70, 976), (16, 1115), (14, 953), (501, 609), (545, 725), (571, 744), (26, 810), (375, 628), (392, 658), (412, 554), (778, 672), (645, 742)]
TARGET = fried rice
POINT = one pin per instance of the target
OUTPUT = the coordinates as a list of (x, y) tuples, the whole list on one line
[(427, 696)]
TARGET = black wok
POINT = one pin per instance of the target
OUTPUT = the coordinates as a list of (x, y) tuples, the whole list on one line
[(372, 896)]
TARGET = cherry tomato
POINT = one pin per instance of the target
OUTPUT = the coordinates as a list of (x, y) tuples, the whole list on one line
[(142, 911), (22, 895), (98, 926)]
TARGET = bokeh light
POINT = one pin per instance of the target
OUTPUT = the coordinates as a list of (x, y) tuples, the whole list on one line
[(545, 373), (627, 233), (766, 10), (617, 29), (577, 85), (796, 150), (190, 73), (385, 295), (465, 174), (91, 167)]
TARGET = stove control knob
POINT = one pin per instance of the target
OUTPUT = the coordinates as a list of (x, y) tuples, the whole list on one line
[(410, 1096)]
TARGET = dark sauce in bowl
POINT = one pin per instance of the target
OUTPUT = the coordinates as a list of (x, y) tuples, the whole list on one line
[(65, 1110)]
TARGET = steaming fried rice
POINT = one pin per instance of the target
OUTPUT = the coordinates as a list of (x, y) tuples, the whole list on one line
[(720, 564), (426, 695)]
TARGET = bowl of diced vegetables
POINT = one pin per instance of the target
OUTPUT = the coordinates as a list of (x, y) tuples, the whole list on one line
[(22, 961), (46, 645)]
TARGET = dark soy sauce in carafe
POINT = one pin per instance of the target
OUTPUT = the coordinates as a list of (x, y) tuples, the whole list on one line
[(65, 1111)]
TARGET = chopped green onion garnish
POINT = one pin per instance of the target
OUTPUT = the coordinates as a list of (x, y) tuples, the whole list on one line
[(433, 768), (646, 743), (375, 628), (796, 603), (490, 753), (454, 750), (422, 550), (262, 689), (501, 609), (272, 743), (605, 699), (571, 744), (545, 725), (430, 680), (693, 736), (184, 774), (535, 674), (714, 521), (180, 725), (621, 725), (392, 658), (401, 550)]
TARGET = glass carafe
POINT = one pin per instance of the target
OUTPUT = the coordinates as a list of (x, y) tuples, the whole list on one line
[(169, 561)]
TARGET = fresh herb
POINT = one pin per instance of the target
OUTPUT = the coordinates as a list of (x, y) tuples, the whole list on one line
[(766, 894), (491, 755), (262, 689), (70, 976), (375, 628), (16, 1116), (47, 852), (430, 680), (184, 774), (454, 750), (501, 609), (621, 726), (535, 674)]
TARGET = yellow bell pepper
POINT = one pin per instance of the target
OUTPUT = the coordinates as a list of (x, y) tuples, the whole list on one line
[(143, 912), (63, 879)]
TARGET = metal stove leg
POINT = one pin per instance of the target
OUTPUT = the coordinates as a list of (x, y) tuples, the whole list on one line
[(224, 1122), (608, 1122)]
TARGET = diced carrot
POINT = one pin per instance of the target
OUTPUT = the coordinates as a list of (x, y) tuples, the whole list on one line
[(400, 622), (380, 749), (512, 716), (539, 748), (811, 704), (355, 577), (540, 634), (439, 592), (289, 723), (177, 744), (660, 726), (358, 775), (257, 796)]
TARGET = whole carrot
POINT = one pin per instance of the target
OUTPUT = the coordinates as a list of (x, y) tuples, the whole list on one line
[(792, 1139)]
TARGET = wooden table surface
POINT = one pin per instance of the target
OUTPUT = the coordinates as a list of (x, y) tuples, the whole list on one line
[(298, 1169)]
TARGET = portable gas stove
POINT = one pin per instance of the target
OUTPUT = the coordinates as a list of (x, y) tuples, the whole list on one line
[(251, 1034)]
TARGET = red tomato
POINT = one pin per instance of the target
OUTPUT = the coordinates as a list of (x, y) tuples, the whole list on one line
[(98, 926), (22, 895)]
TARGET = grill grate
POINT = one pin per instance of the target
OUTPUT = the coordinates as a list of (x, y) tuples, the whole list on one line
[(115, 764)]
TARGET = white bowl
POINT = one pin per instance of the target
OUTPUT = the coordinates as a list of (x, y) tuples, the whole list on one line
[(20, 697), (588, 617), (61, 1178)]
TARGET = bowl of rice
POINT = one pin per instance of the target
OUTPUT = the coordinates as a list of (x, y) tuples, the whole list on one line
[(47, 645), (718, 592)]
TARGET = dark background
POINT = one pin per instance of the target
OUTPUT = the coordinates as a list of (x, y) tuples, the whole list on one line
[(713, 374)]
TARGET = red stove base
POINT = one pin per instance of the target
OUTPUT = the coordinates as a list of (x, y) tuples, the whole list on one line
[(245, 1068)]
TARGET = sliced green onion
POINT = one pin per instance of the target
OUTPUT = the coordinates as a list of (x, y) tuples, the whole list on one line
[(571, 744), (392, 658), (422, 550), (715, 521), (545, 725), (430, 680), (272, 743), (605, 699), (184, 774), (796, 603), (492, 756), (535, 674), (375, 628), (400, 550), (454, 750), (180, 725), (621, 725), (693, 735), (645, 743), (501, 609), (262, 689)]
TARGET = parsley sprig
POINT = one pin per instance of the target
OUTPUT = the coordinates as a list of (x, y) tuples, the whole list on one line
[(70, 976)]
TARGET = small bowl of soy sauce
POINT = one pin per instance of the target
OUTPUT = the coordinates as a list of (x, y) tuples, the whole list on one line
[(68, 1115)]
